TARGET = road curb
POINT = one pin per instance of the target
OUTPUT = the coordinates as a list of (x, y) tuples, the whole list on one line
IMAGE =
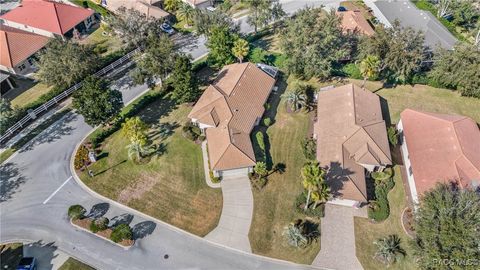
[(101, 237)]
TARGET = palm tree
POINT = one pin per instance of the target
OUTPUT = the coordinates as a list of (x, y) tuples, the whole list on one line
[(312, 176), (369, 67), (136, 150), (294, 235), (389, 249), (240, 49), (186, 13), (261, 169), (297, 99), (171, 5), (321, 195)]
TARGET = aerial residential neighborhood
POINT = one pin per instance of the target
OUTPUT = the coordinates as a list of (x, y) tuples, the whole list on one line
[(239, 134)]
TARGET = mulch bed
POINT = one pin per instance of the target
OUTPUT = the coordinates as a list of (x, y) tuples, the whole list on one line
[(85, 223), (407, 222)]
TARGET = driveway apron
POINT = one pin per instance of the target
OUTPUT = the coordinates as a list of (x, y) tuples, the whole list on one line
[(234, 224)]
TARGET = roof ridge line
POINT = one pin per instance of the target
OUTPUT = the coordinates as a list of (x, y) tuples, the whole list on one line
[(460, 146), (348, 176), (243, 72), (376, 143), (8, 49), (56, 16), (241, 149)]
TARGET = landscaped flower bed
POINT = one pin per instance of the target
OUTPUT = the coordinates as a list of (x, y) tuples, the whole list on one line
[(85, 223)]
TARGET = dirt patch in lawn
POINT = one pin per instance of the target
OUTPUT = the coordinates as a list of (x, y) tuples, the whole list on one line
[(137, 189)]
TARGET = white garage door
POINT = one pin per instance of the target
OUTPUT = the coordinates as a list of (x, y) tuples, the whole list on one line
[(235, 172)]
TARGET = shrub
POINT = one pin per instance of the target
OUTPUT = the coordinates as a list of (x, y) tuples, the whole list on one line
[(81, 158), (319, 211), (260, 140), (261, 169), (267, 122), (257, 55), (76, 212), (121, 232), (392, 136), (99, 224), (191, 132), (215, 179), (309, 148), (352, 71), (380, 209), (267, 106), (381, 177)]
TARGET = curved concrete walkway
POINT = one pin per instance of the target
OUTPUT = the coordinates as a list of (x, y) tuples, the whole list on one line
[(338, 238), (237, 210)]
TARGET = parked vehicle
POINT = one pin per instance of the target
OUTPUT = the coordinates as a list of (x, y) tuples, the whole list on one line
[(27, 263), (342, 8), (167, 28)]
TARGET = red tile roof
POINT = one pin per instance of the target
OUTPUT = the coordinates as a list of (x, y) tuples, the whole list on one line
[(441, 148), (51, 16), (353, 20), (17, 45)]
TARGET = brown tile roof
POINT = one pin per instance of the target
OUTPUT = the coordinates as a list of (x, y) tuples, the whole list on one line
[(353, 20), (51, 16), (350, 131), (17, 45), (146, 7), (441, 148), (231, 105)]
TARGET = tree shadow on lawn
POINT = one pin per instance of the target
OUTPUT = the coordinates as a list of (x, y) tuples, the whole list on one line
[(161, 131), (111, 167), (158, 109), (143, 229), (271, 112), (98, 210)]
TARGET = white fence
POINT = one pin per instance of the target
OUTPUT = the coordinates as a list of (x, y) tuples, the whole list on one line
[(45, 106)]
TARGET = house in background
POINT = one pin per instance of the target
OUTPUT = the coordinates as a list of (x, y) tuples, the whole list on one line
[(351, 141), (201, 4), (48, 18), (438, 148), (151, 8), (227, 112), (17, 50), (354, 22)]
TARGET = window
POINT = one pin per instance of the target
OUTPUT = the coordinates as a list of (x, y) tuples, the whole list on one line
[(31, 61), (21, 67)]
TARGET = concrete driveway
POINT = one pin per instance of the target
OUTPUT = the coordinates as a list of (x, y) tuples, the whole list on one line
[(338, 238), (234, 224)]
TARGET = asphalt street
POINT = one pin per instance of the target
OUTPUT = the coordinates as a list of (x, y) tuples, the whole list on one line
[(37, 188)]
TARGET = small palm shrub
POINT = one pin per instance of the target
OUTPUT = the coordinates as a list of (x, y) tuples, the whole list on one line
[(267, 122), (99, 224), (76, 212), (392, 134), (389, 249), (121, 232)]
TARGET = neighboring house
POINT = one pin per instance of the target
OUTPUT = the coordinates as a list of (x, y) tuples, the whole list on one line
[(351, 141), (354, 22), (17, 50), (202, 4), (438, 148), (227, 112), (151, 8), (410, 16), (6, 83), (48, 18)]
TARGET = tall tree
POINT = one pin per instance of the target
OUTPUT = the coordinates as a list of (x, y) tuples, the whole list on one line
[(459, 69), (312, 175), (240, 49), (443, 7), (132, 26), (220, 43), (7, 114), (321, 195), (369, 67), (313, 42), (63, 63), (135, 130), (260, 13), (186, 13), (172, 5), (183, 81), (400, 50), (205, 21), (447, 226), (96, 102), (156, 61), (277, 12)]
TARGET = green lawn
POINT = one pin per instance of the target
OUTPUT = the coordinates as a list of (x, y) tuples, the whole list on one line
[(72, 264), (92, 5), (367, 232), (30, 95), (106, 44), (274, 204), (169, 185)]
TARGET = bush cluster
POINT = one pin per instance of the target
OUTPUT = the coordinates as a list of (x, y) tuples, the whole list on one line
[(99, 224), (267, 121), (121, 232), (299, 205), (81, 158), (309, 148), (191, 132), (380, 209), (76, 212)]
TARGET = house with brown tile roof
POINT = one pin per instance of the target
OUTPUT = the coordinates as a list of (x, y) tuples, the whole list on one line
[(227, 112), (150, 8), (48, 18), (353, 21), (438, 148), (17, 48), (202, 4), (351, 140)]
